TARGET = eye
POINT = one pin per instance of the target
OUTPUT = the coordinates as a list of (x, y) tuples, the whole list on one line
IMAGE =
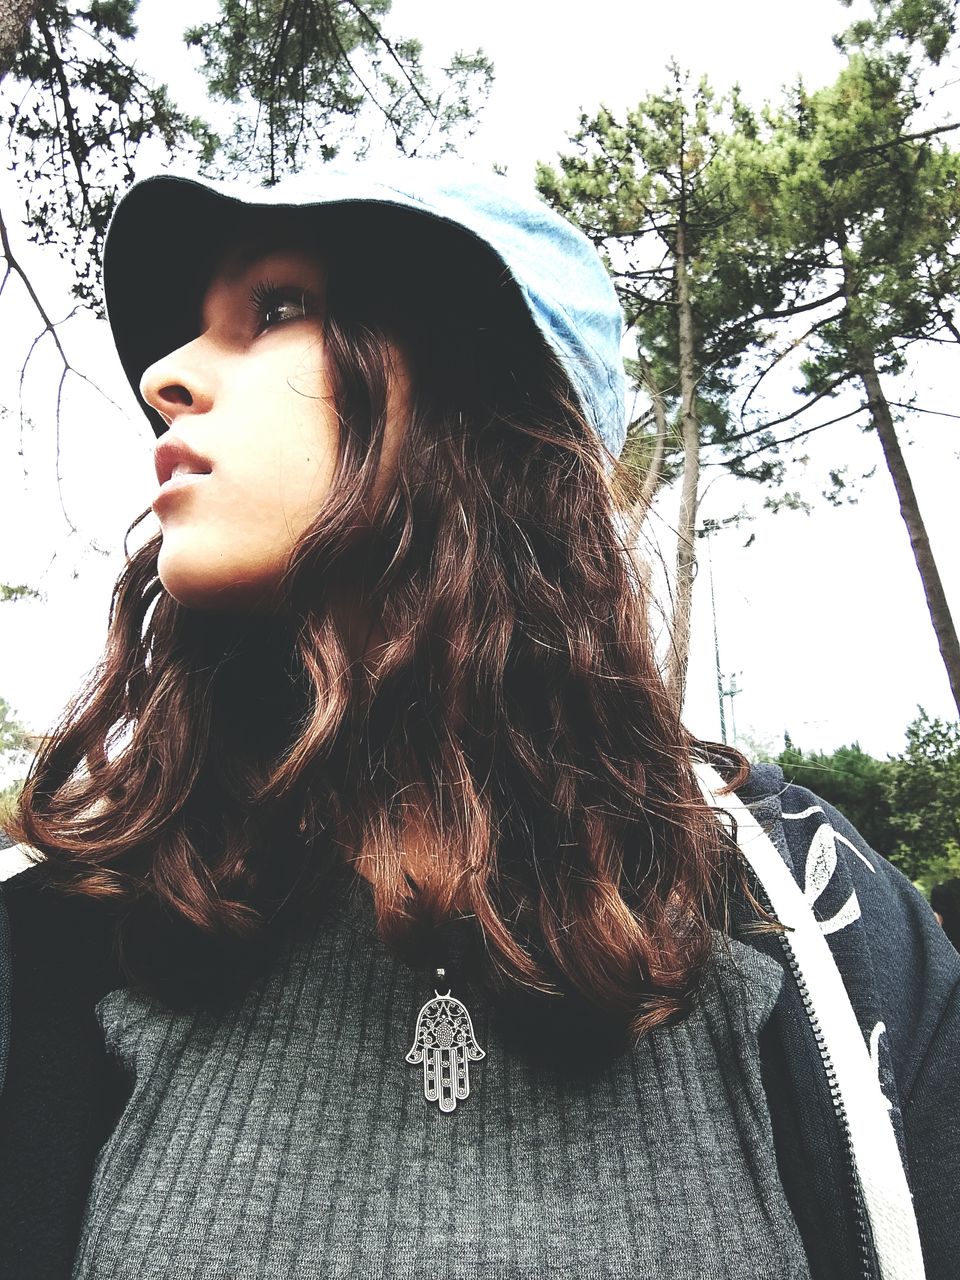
[(273, 304)]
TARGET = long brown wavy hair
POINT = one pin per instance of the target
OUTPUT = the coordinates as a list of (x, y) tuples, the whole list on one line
[(513, 723)]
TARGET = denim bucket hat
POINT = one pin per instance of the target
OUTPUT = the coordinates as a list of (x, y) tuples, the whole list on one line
[(166, 227)]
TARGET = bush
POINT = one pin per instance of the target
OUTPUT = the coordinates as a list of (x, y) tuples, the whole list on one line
[(923, 790), (8, 802), (906, 807), (853, 782)]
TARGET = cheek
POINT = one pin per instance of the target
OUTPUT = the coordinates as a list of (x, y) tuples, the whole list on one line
[(285, 439), (303, 460)]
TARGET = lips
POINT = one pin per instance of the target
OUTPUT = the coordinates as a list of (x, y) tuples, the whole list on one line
[(173, 457)]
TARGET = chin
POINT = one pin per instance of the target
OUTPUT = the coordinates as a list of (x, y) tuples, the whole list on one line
[(214, 589)]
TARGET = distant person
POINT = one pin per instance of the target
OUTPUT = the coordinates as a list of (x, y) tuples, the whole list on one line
[(389, 922), (945, 901)]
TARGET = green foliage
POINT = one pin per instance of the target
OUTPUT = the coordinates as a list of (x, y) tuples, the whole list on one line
[(9, 796), (924, 795), (77, 111), (301, 74), (13, 736), (906, 807), (20, 592), (853, 782), (931, 24), (864, 205), (15, 748), (842, 488), (860, 195), (301, 77), (635, 186), (789, 500)]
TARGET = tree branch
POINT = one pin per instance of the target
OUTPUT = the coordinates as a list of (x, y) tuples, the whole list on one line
[(796, 309), (782, 355), (948, 324), (14, 266), (789, 417), (891, 142), (636, 233), (387, 114), (74, 141), (652, 480), (936, 413), (382, 39), (776, 444)]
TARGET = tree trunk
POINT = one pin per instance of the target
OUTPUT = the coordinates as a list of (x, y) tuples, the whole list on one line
[(15, 18), (866, 367), (654, 477), (940, 615), (686, 523)]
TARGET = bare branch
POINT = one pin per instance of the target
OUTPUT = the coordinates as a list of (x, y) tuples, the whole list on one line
[(913, 408), (796, 309), (780, 356), (776, 444), (938, 300), (49, 329), (651, 273), (49, 326), (13, 265), (653, 477), (59, 419), (828, 390), (948, 321)]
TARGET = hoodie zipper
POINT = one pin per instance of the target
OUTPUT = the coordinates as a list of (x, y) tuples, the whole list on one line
[(867, 1269)]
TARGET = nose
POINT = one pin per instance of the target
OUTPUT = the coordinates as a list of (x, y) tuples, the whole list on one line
[(178, 383)]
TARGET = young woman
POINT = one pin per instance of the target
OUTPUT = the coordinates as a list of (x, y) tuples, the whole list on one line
[(381, 923)]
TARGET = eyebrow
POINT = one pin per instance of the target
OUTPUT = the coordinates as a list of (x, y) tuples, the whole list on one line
[(237, 263), (273, 239)]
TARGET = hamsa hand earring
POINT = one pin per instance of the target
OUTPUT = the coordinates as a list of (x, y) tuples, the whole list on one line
[(444, 1042)]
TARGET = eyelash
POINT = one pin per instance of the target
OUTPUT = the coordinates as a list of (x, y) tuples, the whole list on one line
[(266, 297)]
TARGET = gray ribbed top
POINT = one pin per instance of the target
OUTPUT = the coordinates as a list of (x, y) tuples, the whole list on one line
[(291, 1139)]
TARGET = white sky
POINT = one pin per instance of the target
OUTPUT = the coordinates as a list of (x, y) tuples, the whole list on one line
[(822, 618)]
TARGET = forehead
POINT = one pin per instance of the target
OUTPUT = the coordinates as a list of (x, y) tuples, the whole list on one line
[(251, 234), (283, 259), (239, 262)]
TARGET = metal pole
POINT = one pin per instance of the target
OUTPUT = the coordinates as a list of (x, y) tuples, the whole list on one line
[(731, 694)]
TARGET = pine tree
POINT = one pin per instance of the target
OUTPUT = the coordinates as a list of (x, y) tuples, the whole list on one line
[(862, 200)]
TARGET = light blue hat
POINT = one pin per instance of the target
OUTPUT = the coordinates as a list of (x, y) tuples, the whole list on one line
[(562, 281)]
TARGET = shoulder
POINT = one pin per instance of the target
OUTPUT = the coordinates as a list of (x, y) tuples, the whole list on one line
[(902, 975), (48, 935), (56, 956), (59, 1091), (895, 959), (46, 923)]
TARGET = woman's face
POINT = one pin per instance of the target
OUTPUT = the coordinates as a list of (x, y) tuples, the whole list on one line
[(252, 444)]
